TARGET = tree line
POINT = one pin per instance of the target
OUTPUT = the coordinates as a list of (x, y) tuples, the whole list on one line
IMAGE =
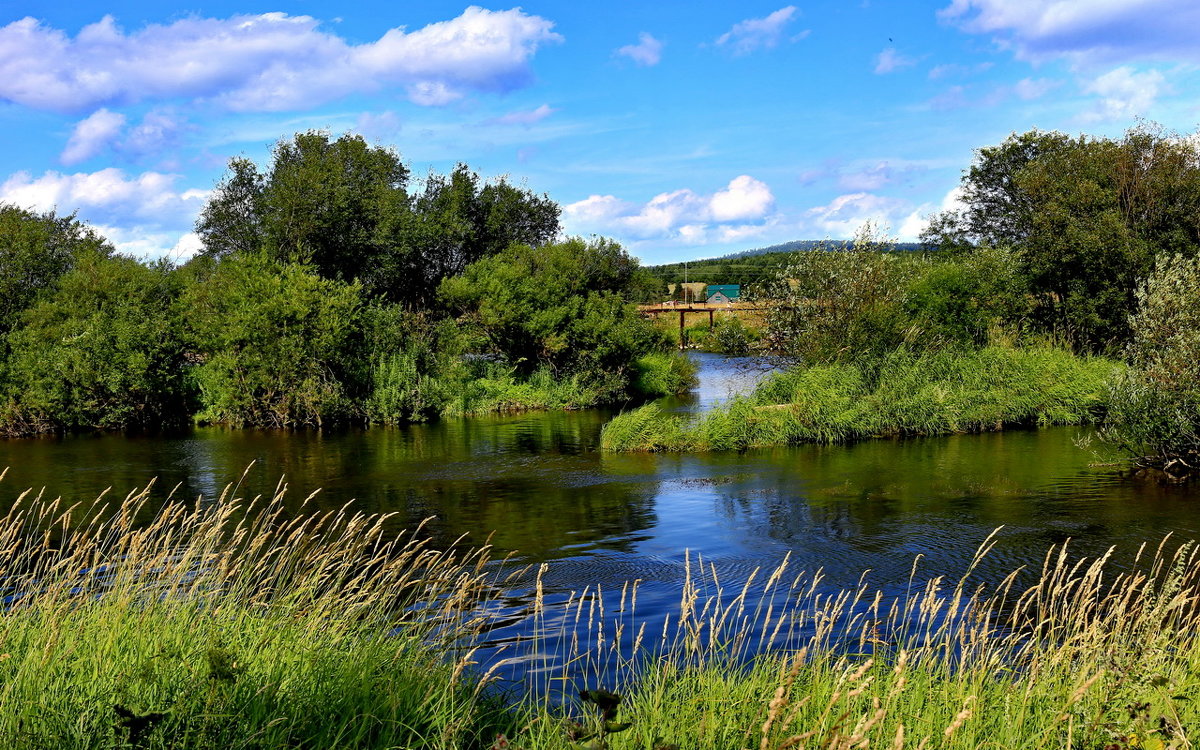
[(332, 287)]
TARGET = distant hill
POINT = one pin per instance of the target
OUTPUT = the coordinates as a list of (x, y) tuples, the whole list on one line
[(747, 266)]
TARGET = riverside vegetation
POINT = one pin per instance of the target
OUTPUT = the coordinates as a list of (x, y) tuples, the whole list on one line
[(329, 289), (1064, 292), (225, 624)]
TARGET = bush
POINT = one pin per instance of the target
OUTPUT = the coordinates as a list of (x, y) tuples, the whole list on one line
[(275, 343), (731, 336), (561, 307), (965, 298), (101, 350), (1154, 412), (840, 303)]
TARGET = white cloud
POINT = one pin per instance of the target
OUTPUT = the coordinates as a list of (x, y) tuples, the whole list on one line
[(92, 136), (648, 50), (682, 215), (745, 199), (267, 62), (150, 243), (378, 127), (955, 70), (1097, 31), (842, 216), (108, 197), (755, 33), (1124, 94), (916, 221), (524, 117), (103, 131), (889, 60), (1034, 88)]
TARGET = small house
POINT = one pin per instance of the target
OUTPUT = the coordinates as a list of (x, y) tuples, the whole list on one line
[(722, 294)]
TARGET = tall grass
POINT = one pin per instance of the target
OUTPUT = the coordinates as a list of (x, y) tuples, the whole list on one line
[(228, 624), (1084, 656), (904, 393)]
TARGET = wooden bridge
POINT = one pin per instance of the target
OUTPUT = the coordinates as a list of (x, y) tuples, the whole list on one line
[(683, 308)]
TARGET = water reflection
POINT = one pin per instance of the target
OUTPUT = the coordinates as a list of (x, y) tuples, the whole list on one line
[(536, 485)]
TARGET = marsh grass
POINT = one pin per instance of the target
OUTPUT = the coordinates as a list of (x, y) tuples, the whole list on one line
[(904, 393), (1081, 655), (228, 624)]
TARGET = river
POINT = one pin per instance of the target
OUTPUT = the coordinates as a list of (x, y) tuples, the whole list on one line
[(536, 485)]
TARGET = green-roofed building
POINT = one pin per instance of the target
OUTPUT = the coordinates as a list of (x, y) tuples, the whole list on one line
[(718, 293)]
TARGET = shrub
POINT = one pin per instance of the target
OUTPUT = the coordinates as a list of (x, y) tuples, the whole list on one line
[(275, 343), (101, 350), (840, 303), (1154, 412)]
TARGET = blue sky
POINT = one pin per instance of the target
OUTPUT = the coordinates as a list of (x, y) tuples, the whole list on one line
[(683, 130)]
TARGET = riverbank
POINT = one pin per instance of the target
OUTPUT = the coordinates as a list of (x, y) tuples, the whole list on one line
[(224, 625), (903, 393)]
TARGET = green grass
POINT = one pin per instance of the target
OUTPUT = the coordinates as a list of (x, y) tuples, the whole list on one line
[(226, 624), (222, 625), (905, 393), (1084, 656)]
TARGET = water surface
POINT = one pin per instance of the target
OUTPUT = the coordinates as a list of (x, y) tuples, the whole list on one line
[(536, 485)]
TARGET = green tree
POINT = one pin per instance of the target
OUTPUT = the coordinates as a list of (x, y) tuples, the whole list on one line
[(561, 306), (343, 206), (35, 250), (333, 204), (1087, 217), (277, 344), (101, 350)]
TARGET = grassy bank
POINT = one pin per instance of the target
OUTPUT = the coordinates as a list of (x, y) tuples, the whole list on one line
[(223, 625), (1078, 656), (904, 393)]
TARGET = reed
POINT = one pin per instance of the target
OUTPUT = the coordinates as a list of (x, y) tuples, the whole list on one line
[(230, 624), (1083, 655)]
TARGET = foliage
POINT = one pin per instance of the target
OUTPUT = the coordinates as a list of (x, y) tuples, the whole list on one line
[(1087, 217), (1154, 413), (963, 299), (559, 307), (101, 350), (458, 220), (276, 343), (904, 393), (413, 364), (333, 204), (35, 250), (730, 335), (840, 303), (343, 206)]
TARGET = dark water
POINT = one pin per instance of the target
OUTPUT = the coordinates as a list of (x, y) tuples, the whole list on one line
[(537, 485)]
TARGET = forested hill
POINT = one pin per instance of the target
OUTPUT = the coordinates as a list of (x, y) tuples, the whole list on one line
[(748, 266)]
